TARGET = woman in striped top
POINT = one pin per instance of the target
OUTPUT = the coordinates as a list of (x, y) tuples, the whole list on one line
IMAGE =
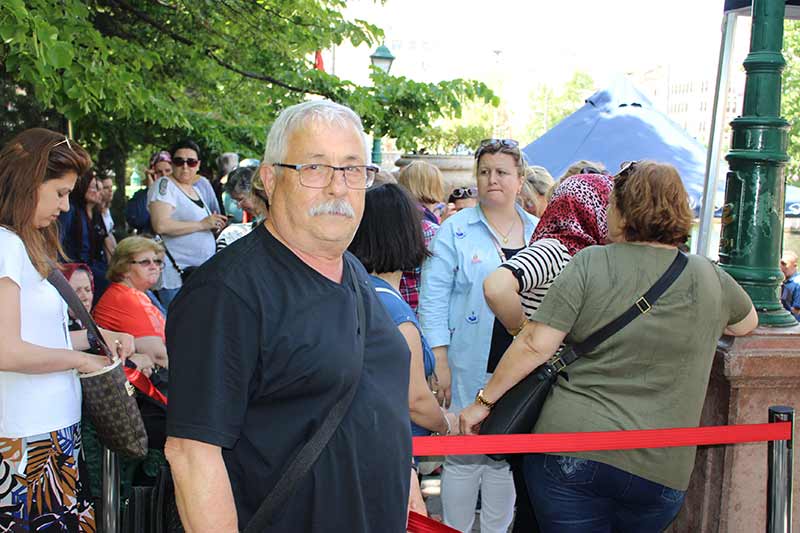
[(574, 219)]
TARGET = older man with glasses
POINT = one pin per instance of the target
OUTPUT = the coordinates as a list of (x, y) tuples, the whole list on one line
[(289, 387)]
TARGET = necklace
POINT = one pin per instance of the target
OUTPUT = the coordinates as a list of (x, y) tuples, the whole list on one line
[(503, 236)]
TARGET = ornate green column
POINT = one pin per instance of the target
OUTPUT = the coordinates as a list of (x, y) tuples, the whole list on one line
[(752, 219)]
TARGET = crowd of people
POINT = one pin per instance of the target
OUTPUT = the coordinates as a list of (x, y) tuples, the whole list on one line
[(313, 313)]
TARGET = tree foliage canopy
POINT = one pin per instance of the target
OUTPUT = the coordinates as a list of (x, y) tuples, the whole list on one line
[(790, 99), (141, 72), (554, 106)]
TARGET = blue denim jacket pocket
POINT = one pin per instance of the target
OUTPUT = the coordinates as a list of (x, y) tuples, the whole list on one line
[(570, 470)]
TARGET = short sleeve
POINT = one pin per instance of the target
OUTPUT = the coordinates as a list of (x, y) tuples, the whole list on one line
[(162, 190), (535, 266), (213, 345), (736, 299), (565, 297), (12, 259)]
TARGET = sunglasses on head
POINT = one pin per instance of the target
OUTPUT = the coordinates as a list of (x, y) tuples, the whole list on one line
[(626, 168), (464, 192), (179, 161), (495, 145)]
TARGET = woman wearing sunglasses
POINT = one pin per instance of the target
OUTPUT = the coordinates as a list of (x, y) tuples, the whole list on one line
[(462, 329), (186, 221), (134, 269)]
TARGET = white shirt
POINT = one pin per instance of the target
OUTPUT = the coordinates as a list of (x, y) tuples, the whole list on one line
[(192, 249), (108, 221), (32, 404)]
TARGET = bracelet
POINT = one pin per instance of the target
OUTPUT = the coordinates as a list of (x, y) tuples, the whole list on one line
[(481, 400), (518, 329), (446, 421)]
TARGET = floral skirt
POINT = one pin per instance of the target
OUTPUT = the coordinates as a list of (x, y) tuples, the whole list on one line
[(40, 489)]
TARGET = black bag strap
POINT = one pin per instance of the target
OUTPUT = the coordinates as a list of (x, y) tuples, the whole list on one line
[(308, 454), (643, 305), (57, 280), (169, 256)]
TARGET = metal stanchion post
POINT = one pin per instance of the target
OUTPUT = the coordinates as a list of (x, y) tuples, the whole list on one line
[(110, 520), (779, 475)]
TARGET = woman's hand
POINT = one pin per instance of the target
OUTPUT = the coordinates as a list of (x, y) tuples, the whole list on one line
[(214, 222), (415, 501), (471, 418), (441, 386), (144, 363), (91, 363), (120, 343)]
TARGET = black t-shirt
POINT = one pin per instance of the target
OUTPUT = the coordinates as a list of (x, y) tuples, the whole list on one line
[(261, 346)]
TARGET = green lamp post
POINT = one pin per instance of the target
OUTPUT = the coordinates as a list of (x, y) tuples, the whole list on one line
[(752, 218), (381, 58)]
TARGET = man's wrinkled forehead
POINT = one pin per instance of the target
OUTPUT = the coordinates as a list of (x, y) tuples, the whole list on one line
[(315, 137)]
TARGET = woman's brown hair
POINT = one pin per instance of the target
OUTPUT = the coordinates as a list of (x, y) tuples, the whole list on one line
[(653, 203), (27, 161)]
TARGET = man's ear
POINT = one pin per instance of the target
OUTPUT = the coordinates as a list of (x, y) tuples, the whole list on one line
[(267, 173)]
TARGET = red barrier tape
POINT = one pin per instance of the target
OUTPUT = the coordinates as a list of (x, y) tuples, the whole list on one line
[(587, 441), (422, 524), (605, 440)]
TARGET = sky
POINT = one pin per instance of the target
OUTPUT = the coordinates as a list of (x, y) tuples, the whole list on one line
[(515, 46), (535, 40)]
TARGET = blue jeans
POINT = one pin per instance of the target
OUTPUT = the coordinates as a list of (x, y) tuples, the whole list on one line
[(579, 495)]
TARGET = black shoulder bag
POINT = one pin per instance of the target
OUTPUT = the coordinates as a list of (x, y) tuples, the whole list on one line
[(308, 454), (518, 410)]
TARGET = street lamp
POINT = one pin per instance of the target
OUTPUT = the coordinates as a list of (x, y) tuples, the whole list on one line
[(381, 58)]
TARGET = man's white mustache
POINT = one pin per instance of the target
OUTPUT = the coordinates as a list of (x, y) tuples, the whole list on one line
[(337, 207)]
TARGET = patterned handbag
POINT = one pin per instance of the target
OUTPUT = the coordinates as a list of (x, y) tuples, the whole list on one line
[(107, 395)]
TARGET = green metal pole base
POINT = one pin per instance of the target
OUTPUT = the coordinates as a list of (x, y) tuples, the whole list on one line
[(377, 157)]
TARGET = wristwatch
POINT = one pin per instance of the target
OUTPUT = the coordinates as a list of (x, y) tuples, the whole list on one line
[(480, 399)]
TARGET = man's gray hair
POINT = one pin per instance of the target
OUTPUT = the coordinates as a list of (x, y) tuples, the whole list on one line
[(299, 115)]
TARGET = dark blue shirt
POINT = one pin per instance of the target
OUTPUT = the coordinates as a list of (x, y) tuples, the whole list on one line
[(401, 313), (790, 295)]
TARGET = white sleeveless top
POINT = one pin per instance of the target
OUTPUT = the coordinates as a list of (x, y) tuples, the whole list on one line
[(32, 404)]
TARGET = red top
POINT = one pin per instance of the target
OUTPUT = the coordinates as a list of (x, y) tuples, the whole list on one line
[(129, 310)]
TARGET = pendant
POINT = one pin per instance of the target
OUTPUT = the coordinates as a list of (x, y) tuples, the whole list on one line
[(505, 240)]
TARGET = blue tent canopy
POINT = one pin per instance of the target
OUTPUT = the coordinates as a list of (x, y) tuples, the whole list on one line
[(620, 124)]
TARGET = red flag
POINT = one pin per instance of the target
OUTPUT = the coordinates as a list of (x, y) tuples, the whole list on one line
[(318, 61)]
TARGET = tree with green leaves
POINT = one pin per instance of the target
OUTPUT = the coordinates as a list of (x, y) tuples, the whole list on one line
[(790, 99), (551, 107), (137, 74)]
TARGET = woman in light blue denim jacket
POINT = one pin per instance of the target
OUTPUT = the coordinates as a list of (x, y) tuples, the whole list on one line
[(460, 327)]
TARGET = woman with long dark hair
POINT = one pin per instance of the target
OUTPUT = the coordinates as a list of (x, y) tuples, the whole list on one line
[(83, 232)]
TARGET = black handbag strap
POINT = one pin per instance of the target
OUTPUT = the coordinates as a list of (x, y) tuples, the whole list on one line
[(57, 280), (308, 454), (643, 305), (169, 256)]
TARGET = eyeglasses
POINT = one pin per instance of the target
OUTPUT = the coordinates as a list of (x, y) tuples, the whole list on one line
[(179, 161), (319, 176), (147, 262), (592, 170), (626, 168), (495, 145), (464, 192)]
